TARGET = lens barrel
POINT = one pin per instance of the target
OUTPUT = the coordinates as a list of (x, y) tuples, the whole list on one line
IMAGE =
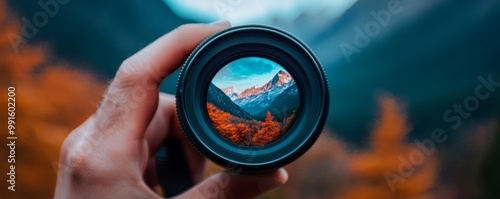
[(254, 130)]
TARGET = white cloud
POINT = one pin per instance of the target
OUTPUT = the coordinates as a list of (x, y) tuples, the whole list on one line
[(256, 11)]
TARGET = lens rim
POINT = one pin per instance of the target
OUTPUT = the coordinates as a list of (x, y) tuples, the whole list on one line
[(252, 41)]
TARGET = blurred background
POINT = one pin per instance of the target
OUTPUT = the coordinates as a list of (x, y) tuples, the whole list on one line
[(415, 110)]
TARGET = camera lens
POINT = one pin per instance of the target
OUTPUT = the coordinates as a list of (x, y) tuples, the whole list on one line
[(252, 98)]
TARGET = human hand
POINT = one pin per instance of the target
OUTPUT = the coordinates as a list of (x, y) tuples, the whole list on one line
[(112, 154)]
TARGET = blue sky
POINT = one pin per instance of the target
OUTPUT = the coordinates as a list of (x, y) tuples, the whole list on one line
[(246, 72)]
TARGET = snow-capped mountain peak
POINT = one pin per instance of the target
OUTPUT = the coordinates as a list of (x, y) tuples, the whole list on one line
[(281, 78), (231, 92), (255, 98)]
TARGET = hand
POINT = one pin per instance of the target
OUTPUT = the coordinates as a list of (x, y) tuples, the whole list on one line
[(112, 154)]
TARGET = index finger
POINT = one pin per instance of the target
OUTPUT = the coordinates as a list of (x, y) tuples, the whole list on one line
[(132, 97)]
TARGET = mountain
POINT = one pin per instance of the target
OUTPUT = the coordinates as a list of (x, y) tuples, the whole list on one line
[(231, 92), (255, 99), (217, 97), (254, 90), (284, 104), (278, 80)]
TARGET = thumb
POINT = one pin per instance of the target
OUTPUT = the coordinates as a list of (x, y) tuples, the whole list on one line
[(225, 185)]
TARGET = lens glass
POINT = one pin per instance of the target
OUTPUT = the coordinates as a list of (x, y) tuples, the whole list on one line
[(253, 101)]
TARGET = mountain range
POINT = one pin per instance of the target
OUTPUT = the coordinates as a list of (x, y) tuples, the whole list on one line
[(278, 80), (256, 100)]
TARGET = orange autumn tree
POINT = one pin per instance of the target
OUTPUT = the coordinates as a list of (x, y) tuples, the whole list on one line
[(243, 131), (249, 132), (270, 131), (220, 121), (372, 171)]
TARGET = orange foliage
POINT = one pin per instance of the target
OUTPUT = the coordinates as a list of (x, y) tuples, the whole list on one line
[(51, 100), (220, 120), (270, 131), (370, 169), (242, 131)]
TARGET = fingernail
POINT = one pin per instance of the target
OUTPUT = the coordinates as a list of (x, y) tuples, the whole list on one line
[(283, 175), (222, 23)]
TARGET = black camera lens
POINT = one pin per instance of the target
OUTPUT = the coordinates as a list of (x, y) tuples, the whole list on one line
[(252, 98)]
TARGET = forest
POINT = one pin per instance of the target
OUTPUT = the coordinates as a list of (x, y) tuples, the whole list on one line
[(248, 132)]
